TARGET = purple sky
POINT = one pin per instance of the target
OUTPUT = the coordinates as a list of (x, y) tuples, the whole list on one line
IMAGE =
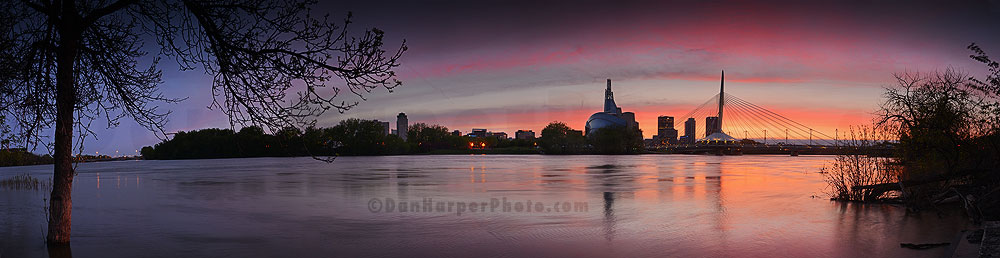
[(519, 65)]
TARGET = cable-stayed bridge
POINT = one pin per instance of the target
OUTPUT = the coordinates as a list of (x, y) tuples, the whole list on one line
[(727, 124)]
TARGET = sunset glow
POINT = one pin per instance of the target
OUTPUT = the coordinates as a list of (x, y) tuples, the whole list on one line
[(822, 65)]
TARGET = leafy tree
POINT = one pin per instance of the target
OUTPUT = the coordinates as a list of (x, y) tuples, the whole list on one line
[(252, 141), (557, 138), (148, 152), (394, 145), (358, 137), (522, 143), (424, 138), (69, 62)]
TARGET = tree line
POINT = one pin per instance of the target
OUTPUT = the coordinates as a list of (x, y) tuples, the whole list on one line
[(22, 157), (351, 137), (359, 137), (558, 138)]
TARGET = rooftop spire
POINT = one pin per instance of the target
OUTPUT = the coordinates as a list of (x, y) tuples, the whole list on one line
[(609, 100)]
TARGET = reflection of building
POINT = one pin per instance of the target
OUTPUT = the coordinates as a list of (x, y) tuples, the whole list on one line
[(524, 135), (612, 116), (665, 132), (401, 125), (689, 131)]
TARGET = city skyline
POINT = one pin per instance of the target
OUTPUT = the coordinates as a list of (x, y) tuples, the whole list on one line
[(818, 64), (510, 128)]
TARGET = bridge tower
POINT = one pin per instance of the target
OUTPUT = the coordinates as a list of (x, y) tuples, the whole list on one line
[(722, 100)]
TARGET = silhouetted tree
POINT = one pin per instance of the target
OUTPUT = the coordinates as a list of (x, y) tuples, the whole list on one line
[(424, 138), (358, 137), (942, 123), (989, 86), (70, 62), (394, 145), (557, 138), (948, 126)]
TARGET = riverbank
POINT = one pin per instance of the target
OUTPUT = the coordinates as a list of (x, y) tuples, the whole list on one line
[(87, 159)]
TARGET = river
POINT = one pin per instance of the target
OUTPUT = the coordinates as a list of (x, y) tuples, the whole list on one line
[(467, 206)]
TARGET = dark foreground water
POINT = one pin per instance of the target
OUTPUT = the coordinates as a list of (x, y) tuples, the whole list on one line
[(467, 206)]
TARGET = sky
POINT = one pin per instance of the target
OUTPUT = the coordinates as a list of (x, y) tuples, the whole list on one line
[(518, 65)]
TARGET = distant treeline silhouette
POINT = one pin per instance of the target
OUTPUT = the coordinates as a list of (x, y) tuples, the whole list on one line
[(351, 137), (358, 137), (558, 138), (22, 157)]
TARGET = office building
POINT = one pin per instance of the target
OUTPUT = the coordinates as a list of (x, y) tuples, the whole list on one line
[(665, 132), (401, 125), (477, 132), (524, 134), (385, 127), (689, 131), (711, 125)]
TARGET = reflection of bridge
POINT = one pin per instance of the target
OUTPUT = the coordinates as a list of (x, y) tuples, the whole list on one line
[(751, 125)]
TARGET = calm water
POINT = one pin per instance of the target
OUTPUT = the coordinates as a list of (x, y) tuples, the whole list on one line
[(621, 206)]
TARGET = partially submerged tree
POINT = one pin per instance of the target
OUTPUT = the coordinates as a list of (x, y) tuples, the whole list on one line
[(944, 124), (67, 63), (948, 130)]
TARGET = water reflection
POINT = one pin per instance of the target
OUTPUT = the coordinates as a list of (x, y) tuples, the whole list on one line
[(609, 215), (640, 206)]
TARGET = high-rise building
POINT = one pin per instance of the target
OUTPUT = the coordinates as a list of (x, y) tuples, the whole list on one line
[(689, 131), (629, 118), (385, 127), (478, 132), (668, 136), (665, 132), (711, 125), (524, 134), (456, 133), (664, 122), (401, 125)]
